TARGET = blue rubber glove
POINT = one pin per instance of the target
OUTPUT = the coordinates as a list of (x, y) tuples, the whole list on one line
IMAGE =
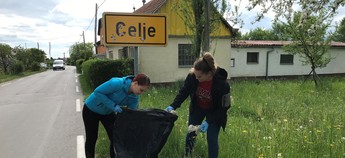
[(169, 108), (117, 109), (203, 126)]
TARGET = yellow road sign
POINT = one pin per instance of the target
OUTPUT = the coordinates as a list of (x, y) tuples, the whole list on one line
[(127, 29)]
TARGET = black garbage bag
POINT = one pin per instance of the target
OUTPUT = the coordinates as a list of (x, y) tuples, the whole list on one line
[(141, 133)]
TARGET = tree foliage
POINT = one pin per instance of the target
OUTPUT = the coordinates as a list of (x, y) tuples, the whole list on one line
[(281, 31), (36, 55), (259, 34), (309, 41), (193, 13), (5, 57), (303, 22), (22, 55), (13, 58), (284, 9), (80, 51), (31, 58), (340, 32)]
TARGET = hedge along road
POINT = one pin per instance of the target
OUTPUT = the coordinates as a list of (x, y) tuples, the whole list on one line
[(39, 116)]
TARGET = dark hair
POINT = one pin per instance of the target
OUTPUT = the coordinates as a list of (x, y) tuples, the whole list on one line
[(205, 64), (142, 79)]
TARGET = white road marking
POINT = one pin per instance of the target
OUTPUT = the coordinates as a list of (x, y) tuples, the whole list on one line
[(77, 105), (80, 147), (80, 138)]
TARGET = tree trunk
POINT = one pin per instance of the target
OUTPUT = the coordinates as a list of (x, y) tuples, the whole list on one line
[(315, 76), (197, 9)]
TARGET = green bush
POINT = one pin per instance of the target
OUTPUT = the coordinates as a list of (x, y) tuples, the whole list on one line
[(78, 64), (97, 71), (35, 66), (17, 68)]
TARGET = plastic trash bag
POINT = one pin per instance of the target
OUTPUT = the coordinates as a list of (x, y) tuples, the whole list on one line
[(141, 133)]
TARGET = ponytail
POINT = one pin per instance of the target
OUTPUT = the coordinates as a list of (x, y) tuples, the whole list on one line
[(205, 64)]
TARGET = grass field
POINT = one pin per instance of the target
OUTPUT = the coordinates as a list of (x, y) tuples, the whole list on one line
[(7, 77), (268, 119)]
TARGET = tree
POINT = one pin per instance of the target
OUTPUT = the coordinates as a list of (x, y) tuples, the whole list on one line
[(308, 31), (5, 57), (80, 51), (36, 56), (193, 13), (22, 55), (340, 32), (310, 41), (284, 9), (280, 31), (259, 34)]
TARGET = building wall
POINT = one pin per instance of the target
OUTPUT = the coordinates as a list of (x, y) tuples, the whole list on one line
[(161, 63), (113, 52), (176, 25), (242, 69)]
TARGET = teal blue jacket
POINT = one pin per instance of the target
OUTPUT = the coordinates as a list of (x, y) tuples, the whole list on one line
[(111, 93)]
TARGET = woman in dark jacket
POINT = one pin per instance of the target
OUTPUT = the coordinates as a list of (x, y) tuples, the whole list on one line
[(209, 93)]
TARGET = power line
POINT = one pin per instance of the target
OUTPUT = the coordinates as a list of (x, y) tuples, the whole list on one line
[(93, 18)]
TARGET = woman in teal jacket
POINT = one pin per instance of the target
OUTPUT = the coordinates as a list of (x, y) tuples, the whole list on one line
[(107, 100)]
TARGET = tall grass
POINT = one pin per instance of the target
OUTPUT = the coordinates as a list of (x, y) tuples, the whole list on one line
[(268, 119)]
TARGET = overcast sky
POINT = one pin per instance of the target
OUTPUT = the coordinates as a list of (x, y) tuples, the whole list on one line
[(33, 23)]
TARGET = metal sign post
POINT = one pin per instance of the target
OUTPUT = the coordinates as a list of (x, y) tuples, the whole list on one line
[(136, 67)]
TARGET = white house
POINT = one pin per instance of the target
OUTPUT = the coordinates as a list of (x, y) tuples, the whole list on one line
[(267, 58)]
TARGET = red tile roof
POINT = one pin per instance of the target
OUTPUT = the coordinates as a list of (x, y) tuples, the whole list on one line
[(259, 43), (151, 7)]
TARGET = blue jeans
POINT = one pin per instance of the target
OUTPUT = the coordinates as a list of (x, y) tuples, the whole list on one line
[(195, 118)]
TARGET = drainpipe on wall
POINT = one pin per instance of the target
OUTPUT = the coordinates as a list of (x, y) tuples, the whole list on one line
[(267, 55)]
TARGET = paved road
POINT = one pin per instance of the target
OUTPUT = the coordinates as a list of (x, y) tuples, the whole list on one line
[(39, 117)]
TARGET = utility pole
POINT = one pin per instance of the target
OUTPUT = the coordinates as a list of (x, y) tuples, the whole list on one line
[(84, 46), (84, 40), (49, 56), (96, 29), (49, 51)]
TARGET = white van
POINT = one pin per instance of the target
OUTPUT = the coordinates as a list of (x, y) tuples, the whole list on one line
[(58, 65)]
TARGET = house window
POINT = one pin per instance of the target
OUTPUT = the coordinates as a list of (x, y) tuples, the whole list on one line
[(252, 57), (286, 59), (232, 62), (185, 57)]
